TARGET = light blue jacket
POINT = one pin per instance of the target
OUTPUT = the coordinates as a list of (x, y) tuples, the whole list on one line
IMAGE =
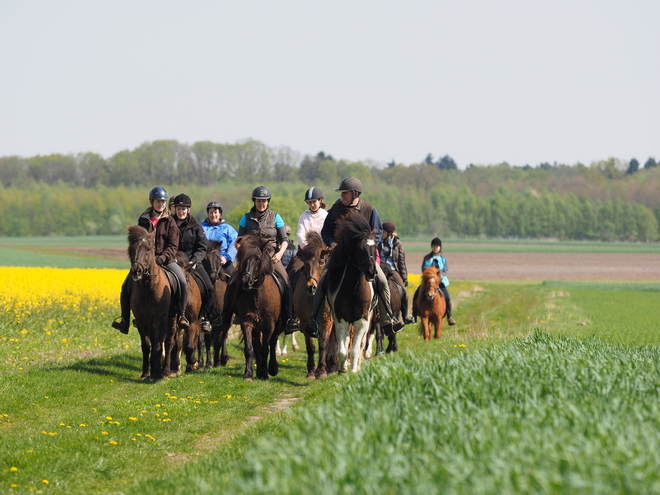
[(222, 232), (440, 263)]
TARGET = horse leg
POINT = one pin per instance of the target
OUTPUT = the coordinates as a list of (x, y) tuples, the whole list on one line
[(392, 344), (146, 349), (311, 366), (206, 340), (426, 328), (359, 343), (294, 343), (278, 347), (380, 337), (156, 356), (190, 345), (247, 329), (343, 342), (273, 366), (438, 325)]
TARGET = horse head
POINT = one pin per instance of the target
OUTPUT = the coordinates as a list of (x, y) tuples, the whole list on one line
[(313, 255), (431, 279), (254, 260), (140, 251), (356, 243), (212, 261)]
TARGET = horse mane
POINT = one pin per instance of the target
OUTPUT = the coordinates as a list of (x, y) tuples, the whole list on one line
[(312, 248), (351, 230), (135, 234), (387, 270), (431, 272), (251, 245), (213, 245)]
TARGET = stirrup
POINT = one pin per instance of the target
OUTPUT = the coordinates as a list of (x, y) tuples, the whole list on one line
[(312, 329), (205, 327), (451, 321), (292, 326), (183, 322), (120, 324), (409, 319)]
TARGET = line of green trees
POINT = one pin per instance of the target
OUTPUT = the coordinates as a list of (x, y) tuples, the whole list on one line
[(86, 194)]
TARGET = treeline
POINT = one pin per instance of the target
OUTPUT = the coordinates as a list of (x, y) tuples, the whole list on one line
[(62, 210), (86, 194)]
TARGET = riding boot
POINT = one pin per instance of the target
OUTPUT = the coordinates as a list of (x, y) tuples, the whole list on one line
[(408, 319), (206, 312), (312, 327), (183, 304), (292, 324), (224, 320), (450, 320), (121, 323)]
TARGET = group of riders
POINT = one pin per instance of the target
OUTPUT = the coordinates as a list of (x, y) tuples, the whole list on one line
[(177, 230)]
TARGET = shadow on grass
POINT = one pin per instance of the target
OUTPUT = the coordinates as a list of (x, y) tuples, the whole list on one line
[(118, 366)]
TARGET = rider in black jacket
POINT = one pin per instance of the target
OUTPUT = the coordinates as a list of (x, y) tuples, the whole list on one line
[(192, 242)]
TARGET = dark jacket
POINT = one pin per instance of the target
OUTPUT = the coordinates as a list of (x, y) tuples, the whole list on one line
[(192, 239), (398, 255), (167, 236), (338, 211), (268, 225)]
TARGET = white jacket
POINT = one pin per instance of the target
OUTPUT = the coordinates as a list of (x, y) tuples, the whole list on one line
[(310, 222)]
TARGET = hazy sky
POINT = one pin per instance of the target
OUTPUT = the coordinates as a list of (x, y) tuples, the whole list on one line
[(484, 81)]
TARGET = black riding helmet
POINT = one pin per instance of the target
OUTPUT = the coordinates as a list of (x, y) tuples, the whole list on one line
[(158, 193), (182, 200), (261, 192), (350, 184), (313, 193), (436, 242), (214, 204)]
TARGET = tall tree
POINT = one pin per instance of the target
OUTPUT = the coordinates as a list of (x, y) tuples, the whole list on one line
[(446, 163), (633, 166), (650, 163)]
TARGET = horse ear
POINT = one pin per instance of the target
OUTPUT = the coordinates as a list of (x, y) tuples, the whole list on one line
[(237, 242), (325, 253)]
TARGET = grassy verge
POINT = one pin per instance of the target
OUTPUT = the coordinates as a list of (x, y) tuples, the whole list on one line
[(506, 401)]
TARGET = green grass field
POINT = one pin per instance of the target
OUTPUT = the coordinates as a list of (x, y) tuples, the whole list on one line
[(540, 388)]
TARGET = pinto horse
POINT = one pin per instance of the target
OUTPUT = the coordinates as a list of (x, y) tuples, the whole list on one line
[(217, 339), (314, 255), (152, 303), (431, 305), (350, 278), (258, 305)]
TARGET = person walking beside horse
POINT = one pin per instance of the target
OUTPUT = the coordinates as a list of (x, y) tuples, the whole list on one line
[(192, 243), (391, 252), (350, 202), (155, 218)]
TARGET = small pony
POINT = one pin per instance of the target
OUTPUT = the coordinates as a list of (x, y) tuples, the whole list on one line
[(431, 306)]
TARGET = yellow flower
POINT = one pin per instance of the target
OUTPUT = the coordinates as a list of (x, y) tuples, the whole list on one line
[(45, 482), (112, 442), (13, 469)]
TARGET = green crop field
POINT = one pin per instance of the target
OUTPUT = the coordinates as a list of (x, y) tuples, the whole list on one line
[(540, 388)]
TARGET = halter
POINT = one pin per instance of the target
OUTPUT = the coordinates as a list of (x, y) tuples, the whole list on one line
[(142, 266)]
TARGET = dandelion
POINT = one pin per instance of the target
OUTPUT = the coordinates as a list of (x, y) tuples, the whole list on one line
[(462, 345), (13, 469), (45, 482), (112, 442), (133, 419), (104, 433)]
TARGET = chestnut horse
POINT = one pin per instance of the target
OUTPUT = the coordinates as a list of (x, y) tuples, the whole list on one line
[(350, 274), (217, 339), (258, 305), (314, 255), (431, 305), (152, 304)]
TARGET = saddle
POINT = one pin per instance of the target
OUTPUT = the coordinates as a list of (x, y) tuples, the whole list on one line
[(279, 282), (174, 281)]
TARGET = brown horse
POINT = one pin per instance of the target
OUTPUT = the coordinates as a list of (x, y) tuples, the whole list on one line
[(258, 305), (152, 304), (430, 304), (350, 274), (217, 339), (314, 255), (187, 340)]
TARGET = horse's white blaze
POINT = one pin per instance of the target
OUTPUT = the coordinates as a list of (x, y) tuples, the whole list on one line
[(371, 242)]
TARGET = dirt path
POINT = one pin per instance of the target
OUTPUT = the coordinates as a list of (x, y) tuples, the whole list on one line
[(514, 266)]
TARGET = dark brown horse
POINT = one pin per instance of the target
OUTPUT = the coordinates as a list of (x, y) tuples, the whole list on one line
[(430, 303), (152, 304), (398, 310), (258, 305), (187, 340), (314, 255), (217, 339), (350, 274)]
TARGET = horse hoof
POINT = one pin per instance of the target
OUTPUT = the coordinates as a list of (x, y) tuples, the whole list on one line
[(278, 353), (321, 376), (247, 378), (144, 377), (311, 376), (296, 347)]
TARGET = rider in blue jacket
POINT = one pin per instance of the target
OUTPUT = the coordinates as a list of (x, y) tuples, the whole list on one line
[(217, 229), (435, 258)]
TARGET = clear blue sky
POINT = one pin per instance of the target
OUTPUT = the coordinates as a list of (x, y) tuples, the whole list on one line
[(484, 81)]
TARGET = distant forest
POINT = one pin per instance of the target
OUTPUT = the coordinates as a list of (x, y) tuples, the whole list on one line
[(86, 194)]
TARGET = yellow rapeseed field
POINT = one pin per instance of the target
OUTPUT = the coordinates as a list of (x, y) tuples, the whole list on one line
[(27, 291)]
